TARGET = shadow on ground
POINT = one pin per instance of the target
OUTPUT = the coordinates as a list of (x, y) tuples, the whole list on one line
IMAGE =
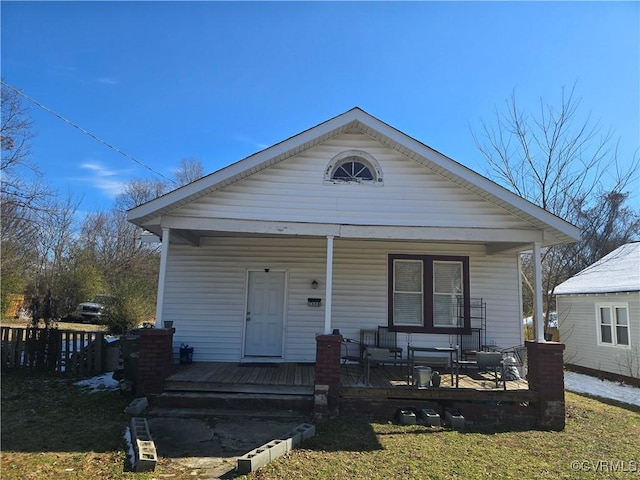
[(209, 447)]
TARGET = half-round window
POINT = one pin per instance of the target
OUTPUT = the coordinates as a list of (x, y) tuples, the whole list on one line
[(353, 166)]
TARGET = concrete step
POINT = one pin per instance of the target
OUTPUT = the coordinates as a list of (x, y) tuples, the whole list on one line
[(279, 415), (257, 402)]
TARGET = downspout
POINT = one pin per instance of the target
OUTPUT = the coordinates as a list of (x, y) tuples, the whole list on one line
[(162, 275), (538, 314), (329, 286)]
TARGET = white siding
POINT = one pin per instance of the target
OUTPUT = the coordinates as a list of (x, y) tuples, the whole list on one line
[(206, 289), (294, 190), (579, 332)]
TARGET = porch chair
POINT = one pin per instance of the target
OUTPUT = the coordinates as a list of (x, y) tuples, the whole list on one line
[(492, 361), (351, 351), (470, 344), (354, 350), (388, 340)]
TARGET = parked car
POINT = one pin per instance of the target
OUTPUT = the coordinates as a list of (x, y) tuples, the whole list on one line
[(94, 309)]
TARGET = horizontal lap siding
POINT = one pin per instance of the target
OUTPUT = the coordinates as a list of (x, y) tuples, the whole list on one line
[(205, 291), (579, 332), (294, 190)]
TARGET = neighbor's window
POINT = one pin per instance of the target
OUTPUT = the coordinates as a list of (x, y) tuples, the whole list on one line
[(613, 324), (429, 294)]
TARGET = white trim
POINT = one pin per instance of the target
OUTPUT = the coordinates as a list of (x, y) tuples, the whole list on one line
[(329, 286), (614, 334), (480, 235), (538, 315), (162, 275)]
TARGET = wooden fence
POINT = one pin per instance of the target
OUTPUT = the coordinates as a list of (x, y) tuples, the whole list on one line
[(65, 351)]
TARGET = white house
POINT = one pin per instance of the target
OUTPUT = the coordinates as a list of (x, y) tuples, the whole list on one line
[(346, 226), (599, 315)]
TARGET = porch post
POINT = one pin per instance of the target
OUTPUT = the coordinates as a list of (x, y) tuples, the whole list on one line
[(161, 276), (329, 286), (538, 314)]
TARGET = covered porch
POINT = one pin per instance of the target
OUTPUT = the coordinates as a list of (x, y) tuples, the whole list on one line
[(299, 378), (328, 386)]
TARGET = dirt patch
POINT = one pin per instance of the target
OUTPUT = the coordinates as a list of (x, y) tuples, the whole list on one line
[(209, 447)]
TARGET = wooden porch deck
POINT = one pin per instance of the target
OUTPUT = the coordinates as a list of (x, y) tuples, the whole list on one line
[(298, 378), (283, 378)]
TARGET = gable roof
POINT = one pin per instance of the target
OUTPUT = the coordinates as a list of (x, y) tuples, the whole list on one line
[(617, 272), (556, 230)]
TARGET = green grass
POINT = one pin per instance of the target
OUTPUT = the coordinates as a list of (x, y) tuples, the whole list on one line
[(360, 449), (52, 429)]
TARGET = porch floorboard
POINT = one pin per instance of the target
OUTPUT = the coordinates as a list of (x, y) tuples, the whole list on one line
[(279, 378), (298, 379)]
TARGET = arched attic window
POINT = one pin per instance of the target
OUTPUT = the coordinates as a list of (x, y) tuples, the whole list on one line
[(353, 166)]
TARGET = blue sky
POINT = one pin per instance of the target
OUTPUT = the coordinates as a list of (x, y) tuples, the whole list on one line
[(219, 81)]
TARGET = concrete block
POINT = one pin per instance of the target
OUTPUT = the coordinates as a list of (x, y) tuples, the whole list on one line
[(146, 456), (277, 448), (253, 460), (294, 436), (260, 456), (456, 420), (308, 430), (137, 406), (407, 417), (431, 417)]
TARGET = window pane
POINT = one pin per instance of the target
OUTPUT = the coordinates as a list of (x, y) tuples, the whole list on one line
[(352, 170), (407, 309), (361, 171), (447, 277), (622, 334), (407, 276), (605, 332), (621, 316), (445, 310), (605, 315)]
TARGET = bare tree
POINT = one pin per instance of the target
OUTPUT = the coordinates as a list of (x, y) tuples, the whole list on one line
[(190, 170), (24, 200), (561, 163), (139, 191)]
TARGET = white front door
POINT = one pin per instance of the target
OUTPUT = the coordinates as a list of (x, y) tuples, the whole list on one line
[(265, 314)]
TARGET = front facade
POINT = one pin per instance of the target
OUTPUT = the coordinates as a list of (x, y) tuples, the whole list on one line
[(599, 316), (349, 225)]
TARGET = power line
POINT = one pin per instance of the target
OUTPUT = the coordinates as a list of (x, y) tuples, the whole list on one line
[(75, 125)]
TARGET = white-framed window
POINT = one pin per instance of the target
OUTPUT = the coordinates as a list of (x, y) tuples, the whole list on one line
[(354, 167), (613, 324)]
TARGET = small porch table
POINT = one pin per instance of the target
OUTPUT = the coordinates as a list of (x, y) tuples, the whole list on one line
[(451, 351)]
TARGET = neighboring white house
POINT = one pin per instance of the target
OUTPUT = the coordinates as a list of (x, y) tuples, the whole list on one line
[(599, 314), (346, 226)]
